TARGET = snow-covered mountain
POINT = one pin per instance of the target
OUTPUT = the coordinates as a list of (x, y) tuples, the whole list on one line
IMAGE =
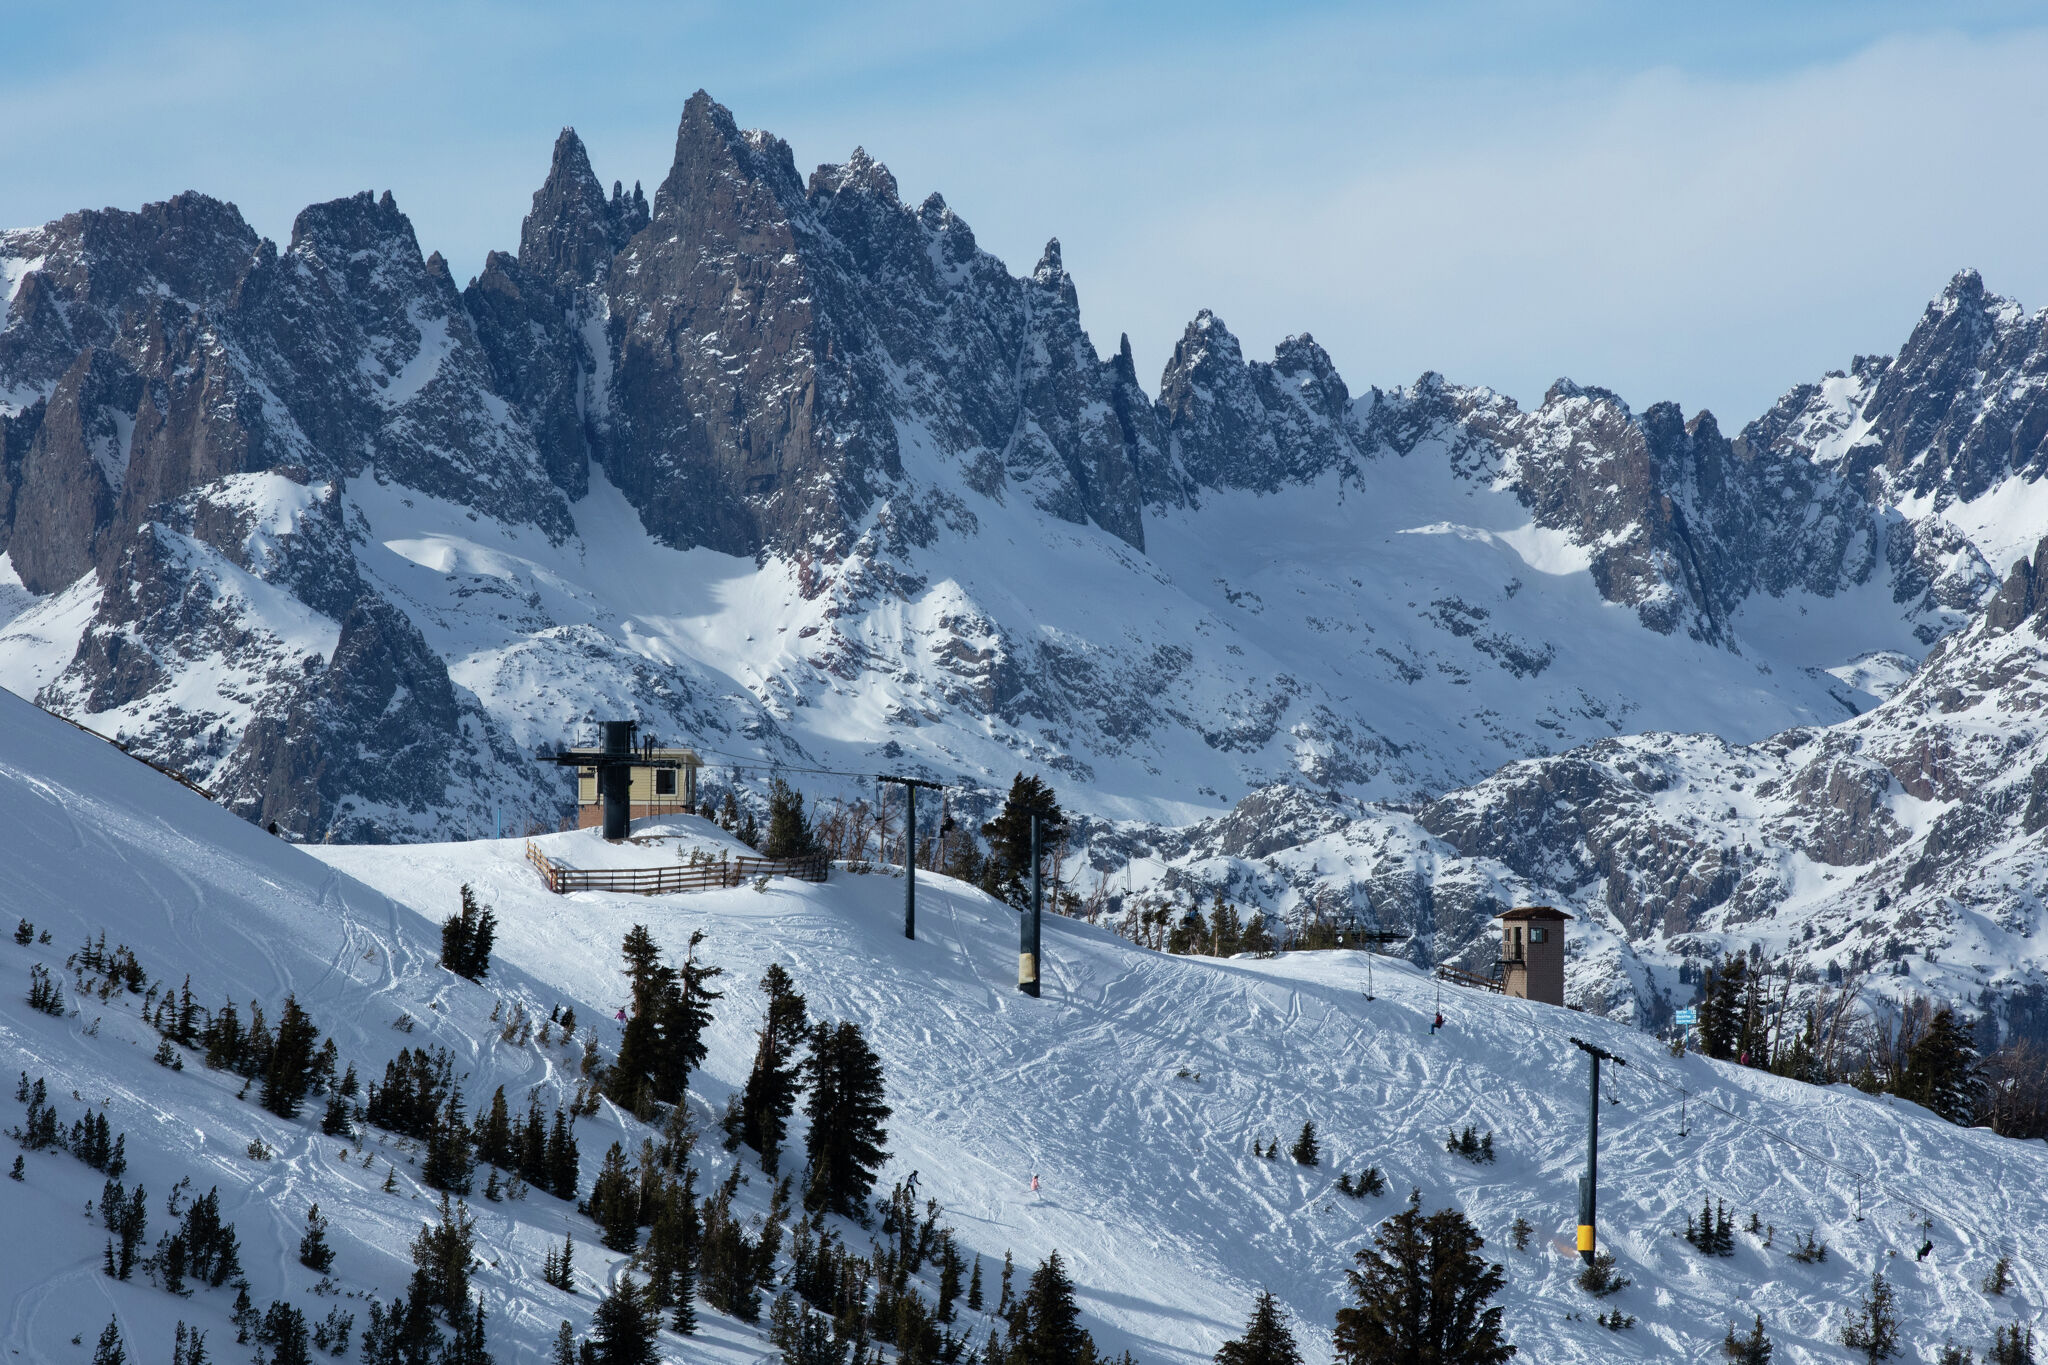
[(796, 471), (1135, 1089)]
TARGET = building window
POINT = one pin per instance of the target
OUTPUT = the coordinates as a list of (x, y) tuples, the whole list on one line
[(664, 781), (1538, 935)]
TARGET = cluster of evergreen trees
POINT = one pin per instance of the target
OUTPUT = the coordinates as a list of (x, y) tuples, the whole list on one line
[(409, 1330), (467, 937), (1925, 1053), (664, 1034), (1712, 1234)]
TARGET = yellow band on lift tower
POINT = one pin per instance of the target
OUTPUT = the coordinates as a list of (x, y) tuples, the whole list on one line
[(1585, 1236), (1027, 966)]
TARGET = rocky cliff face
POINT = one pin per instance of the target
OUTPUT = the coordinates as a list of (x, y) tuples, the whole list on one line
[(794, 468)]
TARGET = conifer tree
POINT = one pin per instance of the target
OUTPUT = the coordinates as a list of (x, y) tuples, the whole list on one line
[(2011, 1345), (1752, 1348), (614, 1203), (1225, 929), (663, 1038), (1007, 872), (1266, 1339), (789, 833), (1720, 1007), (335, 1122), (846, 1110), (288, 1073), (467, 937), (974, 1299), (494, 1134), (622, 1330), (1256, 939), (1942, 1070), (1874, 1331), (284, 1331), (441, 1258), (565, 1345), (561, 1159), (770, 1094), (110, 1351), (1047, 1327), (314, 1253), (1421, 1292), (1306, 1151), (558, 1267)]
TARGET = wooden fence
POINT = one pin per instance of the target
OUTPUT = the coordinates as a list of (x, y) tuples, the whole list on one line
[(667, 881), (1458, 977)]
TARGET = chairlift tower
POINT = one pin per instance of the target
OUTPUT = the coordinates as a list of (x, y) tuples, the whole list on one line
[(1028, 925), (910, 786), (1588, 1181)]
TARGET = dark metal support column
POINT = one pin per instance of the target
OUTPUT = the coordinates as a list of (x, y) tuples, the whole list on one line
[(910, 865), (1589, 1182), (1028, 925)]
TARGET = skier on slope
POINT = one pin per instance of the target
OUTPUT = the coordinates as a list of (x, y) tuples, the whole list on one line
[(1034, 1182)]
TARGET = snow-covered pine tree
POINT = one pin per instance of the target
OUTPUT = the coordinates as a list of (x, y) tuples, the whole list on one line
[(558, 1267), (1720, 1006), (1225, 929), (1256, 939), (2012, 1344), (441, 1257), (1266, 1339)]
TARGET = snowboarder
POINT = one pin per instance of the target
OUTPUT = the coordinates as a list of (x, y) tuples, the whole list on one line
[(621, 1015), (1034, 1182), (1436, 1023)]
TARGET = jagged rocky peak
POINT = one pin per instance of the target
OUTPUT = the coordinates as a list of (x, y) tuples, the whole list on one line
[(722, 176), (78, 280), (858, 174), (2023, 594), (1309, 368), (1255, 425), (571, 233), (1964, 405)]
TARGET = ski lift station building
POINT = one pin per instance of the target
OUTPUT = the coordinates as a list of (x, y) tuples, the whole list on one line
[(665, 784), (1532, 953)]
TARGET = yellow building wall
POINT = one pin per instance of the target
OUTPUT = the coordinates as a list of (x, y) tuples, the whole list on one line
[(643, 791)]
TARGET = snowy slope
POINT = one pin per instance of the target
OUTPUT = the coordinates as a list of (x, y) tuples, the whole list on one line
[(1149, 1185)]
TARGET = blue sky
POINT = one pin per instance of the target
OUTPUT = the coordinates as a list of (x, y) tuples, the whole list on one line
[(1703, 203)]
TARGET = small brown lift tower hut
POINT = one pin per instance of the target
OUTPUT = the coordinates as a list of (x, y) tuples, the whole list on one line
[(1532, 953)]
